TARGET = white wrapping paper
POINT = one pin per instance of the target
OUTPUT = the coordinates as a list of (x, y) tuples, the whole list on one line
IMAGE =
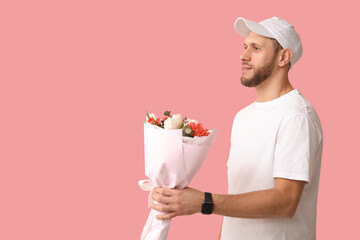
[(171, 160)]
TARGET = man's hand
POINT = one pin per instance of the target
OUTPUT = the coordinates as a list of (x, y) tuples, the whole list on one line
[(176, 202)]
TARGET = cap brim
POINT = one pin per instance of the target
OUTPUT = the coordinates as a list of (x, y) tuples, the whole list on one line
[(244, 27)]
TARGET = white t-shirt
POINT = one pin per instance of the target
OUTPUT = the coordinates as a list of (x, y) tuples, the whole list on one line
[(281, 138)]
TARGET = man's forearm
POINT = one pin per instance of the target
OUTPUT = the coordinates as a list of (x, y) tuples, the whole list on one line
[(281, 201), (259, 204)]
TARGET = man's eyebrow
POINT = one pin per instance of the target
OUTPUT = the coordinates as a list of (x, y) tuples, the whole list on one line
[(252, 44)]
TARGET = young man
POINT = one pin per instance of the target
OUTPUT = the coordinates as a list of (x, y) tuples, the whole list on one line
[(276, 148)]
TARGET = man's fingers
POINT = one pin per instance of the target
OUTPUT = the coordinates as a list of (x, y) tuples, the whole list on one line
[(161, 208), (160, 199), (166, 216), (163, 191), (168, 204)]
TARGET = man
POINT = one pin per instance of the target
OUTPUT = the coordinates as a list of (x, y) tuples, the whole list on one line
[(276, 148)]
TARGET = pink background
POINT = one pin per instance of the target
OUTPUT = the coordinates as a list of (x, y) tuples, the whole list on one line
[(76, 80)]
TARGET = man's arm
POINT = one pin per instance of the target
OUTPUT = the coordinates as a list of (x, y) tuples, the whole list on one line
[(280, 201)]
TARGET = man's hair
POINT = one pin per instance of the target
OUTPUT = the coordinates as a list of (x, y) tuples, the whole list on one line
[(276, 44)]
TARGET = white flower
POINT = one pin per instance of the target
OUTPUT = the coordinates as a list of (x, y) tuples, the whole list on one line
[(188, 121), (151, 115), (174, 122)]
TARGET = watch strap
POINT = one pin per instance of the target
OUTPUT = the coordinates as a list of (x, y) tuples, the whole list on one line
[(208, 197), (208, 205)]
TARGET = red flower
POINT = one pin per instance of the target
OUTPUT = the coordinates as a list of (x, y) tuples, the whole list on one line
[(150, 120), (157, 122), (199, 130)]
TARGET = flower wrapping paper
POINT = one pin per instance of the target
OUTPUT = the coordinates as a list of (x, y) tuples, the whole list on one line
[(171, 160)]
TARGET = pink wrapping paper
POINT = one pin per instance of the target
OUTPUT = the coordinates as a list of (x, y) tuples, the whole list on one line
[(171, 160)]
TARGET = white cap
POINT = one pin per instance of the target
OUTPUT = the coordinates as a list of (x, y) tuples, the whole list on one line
[(276, 28)]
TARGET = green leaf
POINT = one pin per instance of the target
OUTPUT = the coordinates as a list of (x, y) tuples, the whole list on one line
[(154, 121), (187, 132), (147, 114), (167, 113)]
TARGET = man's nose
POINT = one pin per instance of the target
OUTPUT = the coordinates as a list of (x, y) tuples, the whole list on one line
[(245, 56)]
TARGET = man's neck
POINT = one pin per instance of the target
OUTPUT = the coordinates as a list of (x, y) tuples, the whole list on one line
[(273, 87)]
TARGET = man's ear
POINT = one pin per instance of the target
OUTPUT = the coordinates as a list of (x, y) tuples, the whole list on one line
[(285, 56)]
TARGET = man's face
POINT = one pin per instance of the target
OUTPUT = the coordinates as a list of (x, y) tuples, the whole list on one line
[(258, 60)]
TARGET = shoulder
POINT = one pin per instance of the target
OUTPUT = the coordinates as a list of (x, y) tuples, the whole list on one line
[(298, 106), (300, 113)]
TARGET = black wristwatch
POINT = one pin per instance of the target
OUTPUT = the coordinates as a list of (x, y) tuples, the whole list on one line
[(208, 205)]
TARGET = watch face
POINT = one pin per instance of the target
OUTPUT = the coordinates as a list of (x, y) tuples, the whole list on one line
[(207, 208)]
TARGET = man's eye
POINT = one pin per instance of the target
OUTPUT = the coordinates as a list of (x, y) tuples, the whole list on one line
[(256, 48)]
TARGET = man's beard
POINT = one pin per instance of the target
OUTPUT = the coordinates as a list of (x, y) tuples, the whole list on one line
[(260, 75)]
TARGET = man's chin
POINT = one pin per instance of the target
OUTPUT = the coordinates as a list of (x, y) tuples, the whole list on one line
[(246, 82)]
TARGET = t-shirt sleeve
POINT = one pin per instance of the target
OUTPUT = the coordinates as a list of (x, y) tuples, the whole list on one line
[(292, 150)]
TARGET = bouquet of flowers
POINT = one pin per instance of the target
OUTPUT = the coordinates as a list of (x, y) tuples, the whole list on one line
[(175, 149)]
